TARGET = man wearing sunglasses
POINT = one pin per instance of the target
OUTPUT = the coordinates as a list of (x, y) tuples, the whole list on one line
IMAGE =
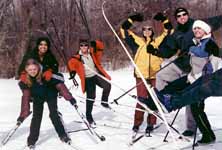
[(175, 48), (87, 64)]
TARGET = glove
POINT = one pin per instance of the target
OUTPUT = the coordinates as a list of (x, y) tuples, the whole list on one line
[(19, 120), (73, 102), (137, 17), (126, 25), (23, 77), (97, 45), (159, 17), (150, 49), (72, 75), (168, 26), (212, 48), (93, 44), (208, 69), (47, 75)]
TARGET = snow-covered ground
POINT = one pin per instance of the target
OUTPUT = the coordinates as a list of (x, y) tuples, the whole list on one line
[(115, 126)]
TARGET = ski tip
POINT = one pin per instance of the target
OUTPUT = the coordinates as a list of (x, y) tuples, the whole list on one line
[(130, 144)]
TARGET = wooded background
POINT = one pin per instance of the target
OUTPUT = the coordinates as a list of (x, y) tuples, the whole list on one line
[(66, 21)]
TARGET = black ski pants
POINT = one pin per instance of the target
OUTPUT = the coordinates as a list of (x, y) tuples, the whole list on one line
[(54, 115), (91, 93)]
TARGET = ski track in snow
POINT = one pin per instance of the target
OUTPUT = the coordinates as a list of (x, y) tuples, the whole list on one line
[(117, 137)]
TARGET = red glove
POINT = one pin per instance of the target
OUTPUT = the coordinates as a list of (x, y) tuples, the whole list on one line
[(47, 75), (23, 77)]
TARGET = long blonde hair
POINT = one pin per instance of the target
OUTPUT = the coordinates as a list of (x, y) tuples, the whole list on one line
[(39, 75)]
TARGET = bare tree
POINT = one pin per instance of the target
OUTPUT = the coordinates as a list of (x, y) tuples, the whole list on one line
[(66, 21)]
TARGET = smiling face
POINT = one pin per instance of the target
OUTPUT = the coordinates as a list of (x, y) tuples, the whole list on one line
[(182, 17), (32, 70), (42, 47), (84, 47), (147, 31), (199, 32)]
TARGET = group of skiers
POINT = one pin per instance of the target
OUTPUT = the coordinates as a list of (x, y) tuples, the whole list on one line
[(41, 82), (181, 64), (189, 52)]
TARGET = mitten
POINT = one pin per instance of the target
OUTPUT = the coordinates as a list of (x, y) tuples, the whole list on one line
[(19, 120), (212, 48), (126, 25), (150, 49), (23, 77), (47, 75), (159, 17), (137, 17), (73, 102), (208, 69), (93, 44), (168, 26)]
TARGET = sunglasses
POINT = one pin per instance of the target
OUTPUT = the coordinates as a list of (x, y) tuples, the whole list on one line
[(184, 14), (81, 45)]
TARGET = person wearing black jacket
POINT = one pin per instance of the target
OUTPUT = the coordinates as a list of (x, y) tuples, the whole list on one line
[(175, 48), (44, 56), (42, 91)]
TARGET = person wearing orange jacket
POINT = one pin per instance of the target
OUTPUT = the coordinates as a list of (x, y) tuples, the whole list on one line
[(87, 63)]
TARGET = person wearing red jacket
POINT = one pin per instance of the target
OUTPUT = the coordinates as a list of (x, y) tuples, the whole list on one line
[(42, 54), (87, 65)]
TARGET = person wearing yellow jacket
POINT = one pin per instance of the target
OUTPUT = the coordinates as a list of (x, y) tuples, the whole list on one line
[(148, 64)]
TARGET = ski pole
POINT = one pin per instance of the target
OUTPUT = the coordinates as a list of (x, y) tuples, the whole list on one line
[(194, 139), (152, 94), (164, 140), (104, 78), (116, 99), (91, 130), (12, 131), (146, 110)]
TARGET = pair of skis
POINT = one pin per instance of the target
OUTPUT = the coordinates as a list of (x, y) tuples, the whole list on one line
[(70, 145), (136, 138)]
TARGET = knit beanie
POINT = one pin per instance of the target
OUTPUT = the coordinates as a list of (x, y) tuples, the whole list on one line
[(203, 25), (180, 9), (83, 41)]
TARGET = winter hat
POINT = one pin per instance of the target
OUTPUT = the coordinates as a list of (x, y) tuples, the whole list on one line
[(180, 9), (146, 24), (203, 25), (83, 41)]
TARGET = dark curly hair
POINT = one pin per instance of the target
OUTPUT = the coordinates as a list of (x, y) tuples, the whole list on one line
[(46, 39)]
